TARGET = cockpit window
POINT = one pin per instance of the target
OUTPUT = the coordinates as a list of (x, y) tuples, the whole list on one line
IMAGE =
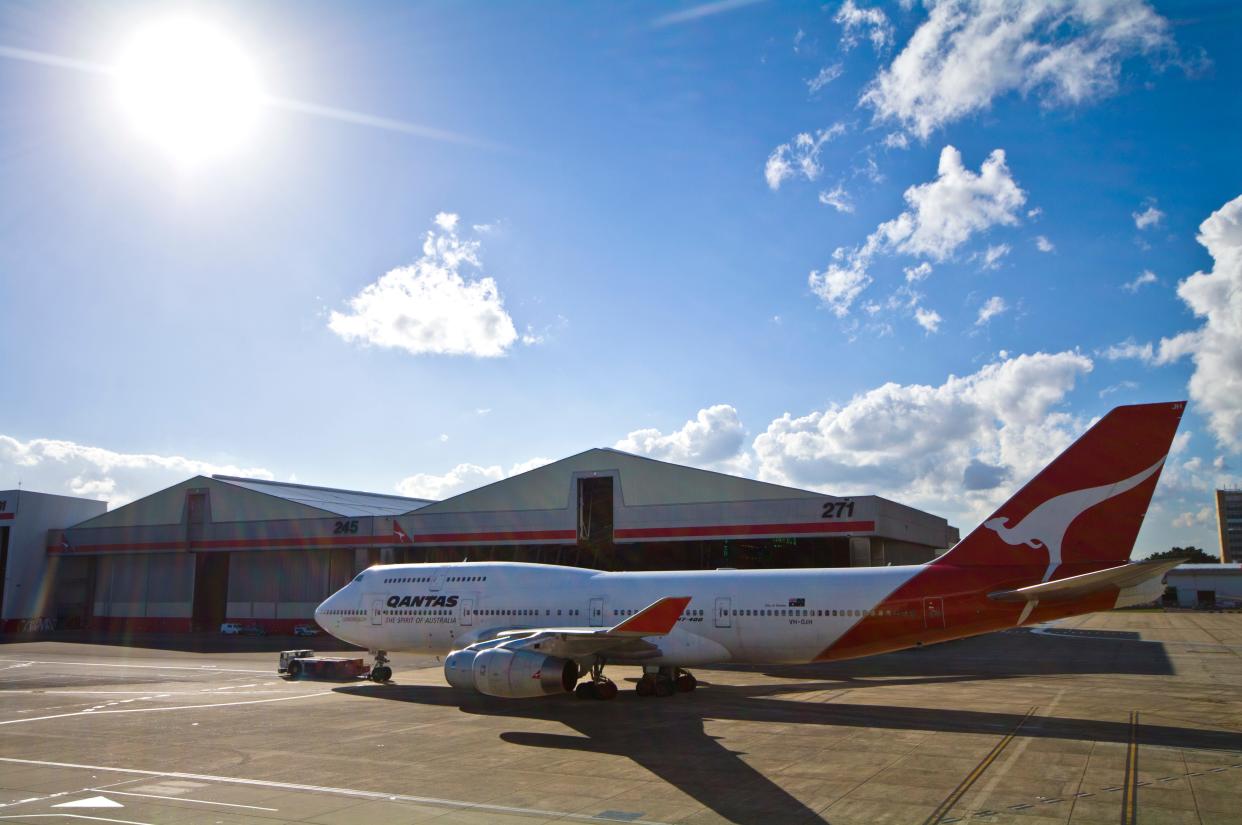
[(360, 575)]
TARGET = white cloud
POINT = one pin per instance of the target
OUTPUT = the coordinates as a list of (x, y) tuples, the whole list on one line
[(840, 282), (991, 308), (917, 443), (838, 199), (1204, 516), (914, 274), (444, 437), (1149, 217), (1034, 212), (1168, 351), (943, 214), (825, 76), (1129, 349), (993, 254), (1043, 244), (461, 478), (430, 306), (712, 440), (1216, 346), (1118, 387), (66, 468), (1147, 277), (928, 319), (969, 52), (799, 157), (855, 20), (896, 140)]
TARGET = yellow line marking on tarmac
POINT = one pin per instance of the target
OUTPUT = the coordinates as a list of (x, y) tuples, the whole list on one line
[(157, 709), (972, 777), (1129, 788)]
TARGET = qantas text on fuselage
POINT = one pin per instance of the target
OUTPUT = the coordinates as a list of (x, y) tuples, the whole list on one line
[(516, 630)]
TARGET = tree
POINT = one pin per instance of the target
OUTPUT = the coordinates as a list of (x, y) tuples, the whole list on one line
[(1194, 555)]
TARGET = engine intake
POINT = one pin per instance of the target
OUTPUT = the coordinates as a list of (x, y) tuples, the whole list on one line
[(510, 674)]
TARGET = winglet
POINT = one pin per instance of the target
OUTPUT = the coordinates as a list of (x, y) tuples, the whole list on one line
[(657, 619)]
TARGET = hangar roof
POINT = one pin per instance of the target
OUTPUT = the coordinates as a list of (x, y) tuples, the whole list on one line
[(643, 481), (1229, 568), (340, 502)]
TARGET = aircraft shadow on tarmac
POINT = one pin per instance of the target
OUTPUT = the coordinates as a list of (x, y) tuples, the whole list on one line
[(1011, 655), (668, 736)]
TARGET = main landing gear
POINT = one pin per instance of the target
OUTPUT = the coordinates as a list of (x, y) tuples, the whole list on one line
[(380, 671), (665, 681), (599, 686)]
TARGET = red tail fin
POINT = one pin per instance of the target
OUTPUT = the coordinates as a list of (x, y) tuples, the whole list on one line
[(1084, 510)]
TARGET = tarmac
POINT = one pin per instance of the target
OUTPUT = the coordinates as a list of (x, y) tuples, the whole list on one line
[(1120, 717)]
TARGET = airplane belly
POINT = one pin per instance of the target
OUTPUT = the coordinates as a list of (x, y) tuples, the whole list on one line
[(685, 648)]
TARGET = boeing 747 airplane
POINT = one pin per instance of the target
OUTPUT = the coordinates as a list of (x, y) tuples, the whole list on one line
[(1059, 547)]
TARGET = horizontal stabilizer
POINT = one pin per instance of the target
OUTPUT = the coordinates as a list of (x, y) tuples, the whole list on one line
[(1074, 587)]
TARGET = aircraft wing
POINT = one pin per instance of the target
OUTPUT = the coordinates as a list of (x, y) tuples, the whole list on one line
[(1074, 587), (625, 638)]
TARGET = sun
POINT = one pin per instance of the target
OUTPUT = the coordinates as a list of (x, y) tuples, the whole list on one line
[(186, 88)]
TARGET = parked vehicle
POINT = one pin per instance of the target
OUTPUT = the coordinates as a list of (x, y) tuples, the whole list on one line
[(231, 629), (306, 630)]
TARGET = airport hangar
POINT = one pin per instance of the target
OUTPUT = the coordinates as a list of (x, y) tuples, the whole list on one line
[(210, 550)]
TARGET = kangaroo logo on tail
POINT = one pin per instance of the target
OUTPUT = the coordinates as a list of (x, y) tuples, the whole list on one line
[(1045, 526)]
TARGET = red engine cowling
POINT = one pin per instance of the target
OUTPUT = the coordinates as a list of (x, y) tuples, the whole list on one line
[(520, 674)]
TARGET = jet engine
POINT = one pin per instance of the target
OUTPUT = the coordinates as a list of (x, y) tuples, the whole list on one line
[(510, 674)]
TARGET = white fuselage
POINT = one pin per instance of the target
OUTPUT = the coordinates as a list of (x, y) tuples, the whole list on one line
[(733, 616)]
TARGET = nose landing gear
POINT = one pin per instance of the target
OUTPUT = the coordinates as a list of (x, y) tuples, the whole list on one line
[(665, 681), (599, 686), (380, 671)]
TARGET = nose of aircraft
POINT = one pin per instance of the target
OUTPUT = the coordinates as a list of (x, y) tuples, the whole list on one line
[(321, 614)]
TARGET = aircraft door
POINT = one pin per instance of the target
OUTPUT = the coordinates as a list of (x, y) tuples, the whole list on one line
[(933, 612), (596, 612), (467, 612), (724, 608), (376, 609)]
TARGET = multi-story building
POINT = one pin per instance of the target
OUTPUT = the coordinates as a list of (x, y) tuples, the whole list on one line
[(1229, 522)]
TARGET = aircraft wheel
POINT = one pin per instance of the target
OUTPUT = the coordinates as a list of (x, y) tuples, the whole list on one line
[(686, 683), (586, 690), (606, 690), (664, 687), (381, 674), (645, 686)]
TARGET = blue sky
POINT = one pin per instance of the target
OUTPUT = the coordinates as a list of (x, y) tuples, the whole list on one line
[(668, 271)]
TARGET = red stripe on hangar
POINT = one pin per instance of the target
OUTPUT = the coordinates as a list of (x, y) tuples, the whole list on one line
[(499, 535), (747, 530), (5, 516), (311, 543)]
